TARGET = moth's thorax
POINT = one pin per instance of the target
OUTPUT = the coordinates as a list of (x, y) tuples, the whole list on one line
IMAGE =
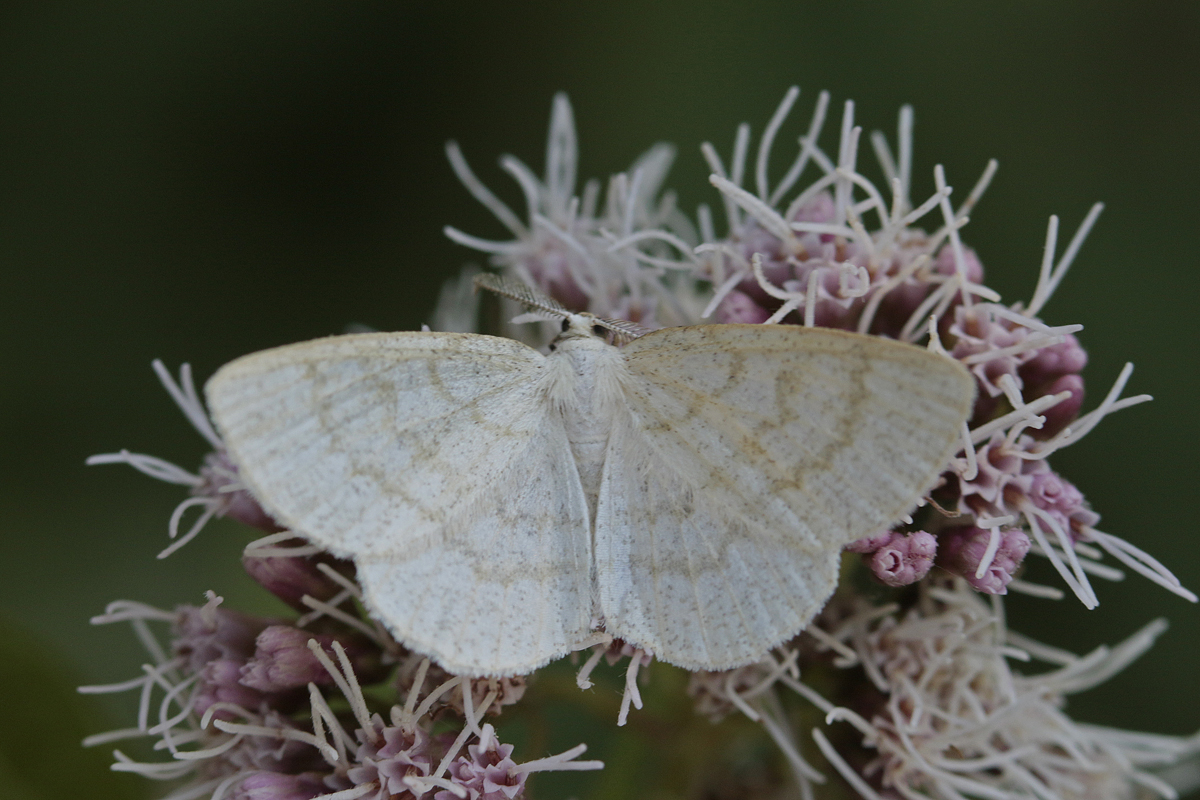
[(587, 392)]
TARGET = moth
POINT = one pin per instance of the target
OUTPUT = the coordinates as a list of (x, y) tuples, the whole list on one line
[(692, 489)]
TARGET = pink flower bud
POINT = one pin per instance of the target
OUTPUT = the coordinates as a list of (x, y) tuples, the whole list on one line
[(756, 239), (740, 307), (219, 683), (944, 263), (904, 559), (212, 632), (279, 786), (1049, 491), (1051, 362), (282, 660), (1064, 413), (870, 544), (219, 474), (962, 550), (246, 510), (290, 578), (820, 208), (899, 303)]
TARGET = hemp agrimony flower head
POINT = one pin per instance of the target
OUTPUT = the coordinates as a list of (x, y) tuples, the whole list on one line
[(923, 693)]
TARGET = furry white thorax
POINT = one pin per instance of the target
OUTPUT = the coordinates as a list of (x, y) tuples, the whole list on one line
[(588, 372)]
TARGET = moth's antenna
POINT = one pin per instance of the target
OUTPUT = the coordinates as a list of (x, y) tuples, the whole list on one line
[(539, 303), (623, 328), (522, 293)]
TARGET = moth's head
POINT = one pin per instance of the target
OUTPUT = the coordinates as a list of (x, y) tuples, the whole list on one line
[(576, 327), (582, 326), (582, 331)]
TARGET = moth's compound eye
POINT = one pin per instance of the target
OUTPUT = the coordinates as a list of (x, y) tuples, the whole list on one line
[(553, 347), (566, 324), (599, 330)]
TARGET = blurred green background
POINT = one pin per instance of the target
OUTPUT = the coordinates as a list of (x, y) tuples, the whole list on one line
[(195, 181)]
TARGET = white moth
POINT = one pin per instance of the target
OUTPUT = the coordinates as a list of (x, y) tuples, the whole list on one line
[(694, 488)]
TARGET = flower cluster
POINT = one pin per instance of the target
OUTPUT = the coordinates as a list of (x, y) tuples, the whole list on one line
[(812, 256), (940, 713), (247, 707), (918, 698), (252, 708)]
